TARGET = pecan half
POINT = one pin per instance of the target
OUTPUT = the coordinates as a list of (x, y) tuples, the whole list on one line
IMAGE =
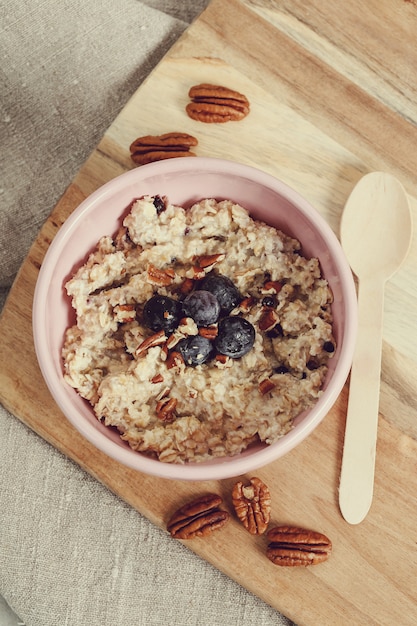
[(252, 504), (216, 104), (158, 147), (294, 546), (198, 518)]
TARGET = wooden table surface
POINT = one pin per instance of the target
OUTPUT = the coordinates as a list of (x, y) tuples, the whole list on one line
[(333, 94)]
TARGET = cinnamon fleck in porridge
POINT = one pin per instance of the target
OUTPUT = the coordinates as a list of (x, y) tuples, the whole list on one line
[(199, 331)]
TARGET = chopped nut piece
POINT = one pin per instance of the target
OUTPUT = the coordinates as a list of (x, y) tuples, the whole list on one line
[(222, 361), (163, 394), (173, 340), (272, 286), (210, 332), (159, 277), (197, 272), (164, 352), (265, 386), (208, 261), (156, 339), (125, 313), (246, 304), (186, 327), (165, 409), (186, 286), (174, 359), (157, 379), (222, 358), (268, 320)]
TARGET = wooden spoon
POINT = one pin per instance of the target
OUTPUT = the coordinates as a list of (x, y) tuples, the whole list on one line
[(376, 231)]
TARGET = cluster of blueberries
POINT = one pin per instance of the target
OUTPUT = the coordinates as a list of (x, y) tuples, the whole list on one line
[(211, 303)]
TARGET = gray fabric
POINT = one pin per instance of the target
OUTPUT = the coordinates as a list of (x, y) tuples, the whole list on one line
[(72, 553)]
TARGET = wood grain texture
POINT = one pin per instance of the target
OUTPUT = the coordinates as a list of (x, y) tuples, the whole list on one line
[(328, 104)]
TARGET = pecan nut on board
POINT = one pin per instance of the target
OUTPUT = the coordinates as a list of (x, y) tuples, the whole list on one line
[(216, 104), (152, 148), (252, 504), (292, 546), (198, 518)]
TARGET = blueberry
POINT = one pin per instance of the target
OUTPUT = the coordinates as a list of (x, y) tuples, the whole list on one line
[(162, 313), (202, 306), (195, 350), (235, 338), (224, 290), (328, 346), (269, 302)]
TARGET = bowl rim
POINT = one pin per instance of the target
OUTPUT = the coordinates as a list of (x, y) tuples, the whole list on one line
[(231, 466)]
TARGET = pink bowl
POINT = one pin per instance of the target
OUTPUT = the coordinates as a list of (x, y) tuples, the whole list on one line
[(186, 181)]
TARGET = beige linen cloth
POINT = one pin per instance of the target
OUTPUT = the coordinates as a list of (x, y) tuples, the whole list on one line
[(71, 552)]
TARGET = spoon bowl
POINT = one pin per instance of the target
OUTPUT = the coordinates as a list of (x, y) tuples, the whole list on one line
[(376, 232), (376, 226)]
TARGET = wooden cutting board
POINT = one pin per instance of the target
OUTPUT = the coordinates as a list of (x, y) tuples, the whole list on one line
[(333, 95)]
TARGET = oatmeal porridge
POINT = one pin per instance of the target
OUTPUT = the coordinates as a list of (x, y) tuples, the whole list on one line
[(199, 331)]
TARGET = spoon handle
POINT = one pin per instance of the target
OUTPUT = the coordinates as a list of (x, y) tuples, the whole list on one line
[(358, 462)]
